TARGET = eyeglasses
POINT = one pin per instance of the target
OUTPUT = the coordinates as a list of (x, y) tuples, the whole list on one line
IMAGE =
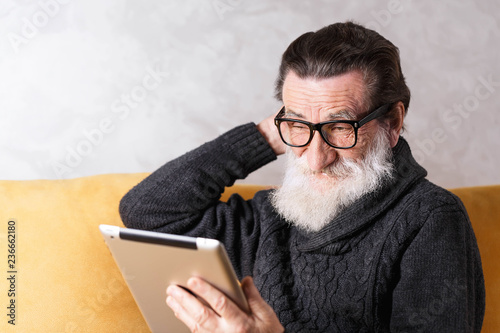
[(340, 134)]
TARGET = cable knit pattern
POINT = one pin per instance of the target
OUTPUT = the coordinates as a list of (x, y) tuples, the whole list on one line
[(402, 259)]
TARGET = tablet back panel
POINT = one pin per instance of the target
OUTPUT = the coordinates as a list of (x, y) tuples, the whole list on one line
[(150, 262)]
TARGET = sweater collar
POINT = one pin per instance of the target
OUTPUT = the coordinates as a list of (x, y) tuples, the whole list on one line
[(365, 210)]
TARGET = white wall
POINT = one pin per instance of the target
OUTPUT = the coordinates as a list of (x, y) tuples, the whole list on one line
[(90, 87)]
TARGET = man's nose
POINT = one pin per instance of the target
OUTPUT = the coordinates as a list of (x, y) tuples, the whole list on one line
[(319, 153)]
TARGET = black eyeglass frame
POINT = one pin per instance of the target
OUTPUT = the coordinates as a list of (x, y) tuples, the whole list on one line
[(378, 112)]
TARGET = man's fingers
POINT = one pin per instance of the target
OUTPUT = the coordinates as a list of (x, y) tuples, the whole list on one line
[(180, 312), (221, 314), (255, 301), (263, 314), (219, 302), (190, 310)]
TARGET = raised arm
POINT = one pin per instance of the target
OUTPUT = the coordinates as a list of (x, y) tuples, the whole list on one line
[(176, 197)]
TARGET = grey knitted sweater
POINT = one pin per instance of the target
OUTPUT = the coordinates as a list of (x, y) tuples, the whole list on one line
[(402, 259)]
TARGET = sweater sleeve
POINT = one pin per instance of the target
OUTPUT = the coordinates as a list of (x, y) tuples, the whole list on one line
[(182, 197), (441, 286)]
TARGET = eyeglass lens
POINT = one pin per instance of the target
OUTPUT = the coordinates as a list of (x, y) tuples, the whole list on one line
[(337, 134)]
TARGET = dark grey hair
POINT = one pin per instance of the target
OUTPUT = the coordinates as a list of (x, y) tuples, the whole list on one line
[(343, 47)]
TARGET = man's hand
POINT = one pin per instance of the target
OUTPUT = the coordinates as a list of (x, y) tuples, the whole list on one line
[(225, 316), (270, 132)]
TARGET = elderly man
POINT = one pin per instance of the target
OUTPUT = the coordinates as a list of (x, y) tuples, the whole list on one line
[(355, 239)]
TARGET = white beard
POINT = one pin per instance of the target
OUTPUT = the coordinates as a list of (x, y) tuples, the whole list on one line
[(310, 203)]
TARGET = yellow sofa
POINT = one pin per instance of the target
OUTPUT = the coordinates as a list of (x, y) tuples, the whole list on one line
[(65, 280)]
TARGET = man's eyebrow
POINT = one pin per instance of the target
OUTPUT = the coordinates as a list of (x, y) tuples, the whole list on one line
[(342, 114), (292, 113)]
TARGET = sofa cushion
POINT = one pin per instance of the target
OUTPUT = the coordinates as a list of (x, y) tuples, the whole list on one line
[(66, 280), (483, 206)]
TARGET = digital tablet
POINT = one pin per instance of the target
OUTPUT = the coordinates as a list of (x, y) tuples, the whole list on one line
[(151, 261)]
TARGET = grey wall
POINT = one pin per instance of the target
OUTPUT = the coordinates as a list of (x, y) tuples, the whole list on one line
[(91, 87)]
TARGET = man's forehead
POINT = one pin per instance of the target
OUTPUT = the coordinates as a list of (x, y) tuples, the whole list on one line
[(340, 94), (351, 81)]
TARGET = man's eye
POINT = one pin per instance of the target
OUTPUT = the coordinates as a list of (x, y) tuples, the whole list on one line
[(340, 128), (299, 126)]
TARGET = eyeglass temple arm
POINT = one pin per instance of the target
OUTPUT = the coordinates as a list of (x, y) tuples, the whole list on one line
[(280, 114), (375, 114)]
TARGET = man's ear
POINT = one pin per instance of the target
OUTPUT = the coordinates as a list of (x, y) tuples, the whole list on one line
[(396, 123)]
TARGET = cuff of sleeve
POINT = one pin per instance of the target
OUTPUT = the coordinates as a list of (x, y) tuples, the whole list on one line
[(249, 147)]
